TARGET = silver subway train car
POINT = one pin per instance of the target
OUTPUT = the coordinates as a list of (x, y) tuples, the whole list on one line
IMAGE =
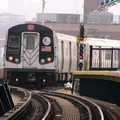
[(36, 55)]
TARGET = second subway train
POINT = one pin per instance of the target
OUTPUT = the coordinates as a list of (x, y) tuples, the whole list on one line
[(36, 55)]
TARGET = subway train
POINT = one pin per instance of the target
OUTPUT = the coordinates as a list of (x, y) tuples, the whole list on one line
[(1, 51), (36, 55), (104, 55)]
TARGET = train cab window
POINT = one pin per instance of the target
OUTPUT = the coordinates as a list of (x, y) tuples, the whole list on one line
[(107, 54), (30, 42), (14, 42), (116, 53)]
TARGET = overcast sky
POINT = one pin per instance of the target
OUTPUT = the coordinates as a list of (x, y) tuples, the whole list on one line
[(65, 6), (54, 6)]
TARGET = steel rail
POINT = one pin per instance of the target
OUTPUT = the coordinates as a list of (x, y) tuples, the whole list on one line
[(97, 106), (48, 107), (83, 99)]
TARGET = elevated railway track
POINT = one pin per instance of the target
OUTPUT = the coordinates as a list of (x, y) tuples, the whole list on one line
[(50, 105), (47, 105)]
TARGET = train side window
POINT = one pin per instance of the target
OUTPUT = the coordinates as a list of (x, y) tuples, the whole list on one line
[(107, 54), (66, 48), (70, 55), (115, 54), (62, 46), (30, 42), (74, 50)]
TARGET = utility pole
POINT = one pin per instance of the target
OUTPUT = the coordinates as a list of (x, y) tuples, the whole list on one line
[(43, 7)]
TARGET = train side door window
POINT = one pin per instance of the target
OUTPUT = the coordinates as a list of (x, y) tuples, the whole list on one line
[(116, 55), (70, 57), (30, 42)]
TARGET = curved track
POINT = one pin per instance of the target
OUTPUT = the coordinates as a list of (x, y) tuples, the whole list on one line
[(85, 109), (46, 105), (41, 109), (88, 109)]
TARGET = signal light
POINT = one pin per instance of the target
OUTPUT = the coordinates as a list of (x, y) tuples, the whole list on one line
[(81, 50), (82, 28), (81, 46), (80, 66), (81, 38), (82, 32), (81, 57)]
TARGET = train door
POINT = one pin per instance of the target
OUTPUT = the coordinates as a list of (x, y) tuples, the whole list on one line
[(30, 49)]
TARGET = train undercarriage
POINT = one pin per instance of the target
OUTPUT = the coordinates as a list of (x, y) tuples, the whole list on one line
[(37, 80)]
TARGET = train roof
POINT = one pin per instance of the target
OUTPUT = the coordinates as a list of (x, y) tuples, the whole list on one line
[(103, 42), (66, 37)]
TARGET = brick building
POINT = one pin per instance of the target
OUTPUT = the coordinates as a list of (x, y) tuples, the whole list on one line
[(90, 6)]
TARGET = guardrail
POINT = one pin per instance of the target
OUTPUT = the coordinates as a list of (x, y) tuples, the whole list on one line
[(6, 102), (19, 109), (2, 75), (48, 108), (96, 84)]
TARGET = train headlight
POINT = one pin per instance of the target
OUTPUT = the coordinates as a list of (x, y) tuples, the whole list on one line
[(42, 61), (10, 58), (16, 60), (49, 59)]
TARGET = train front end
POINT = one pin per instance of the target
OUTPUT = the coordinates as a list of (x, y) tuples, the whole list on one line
[(29, 55)]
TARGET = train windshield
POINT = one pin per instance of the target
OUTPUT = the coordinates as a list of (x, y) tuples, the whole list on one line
[(14, 42)]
